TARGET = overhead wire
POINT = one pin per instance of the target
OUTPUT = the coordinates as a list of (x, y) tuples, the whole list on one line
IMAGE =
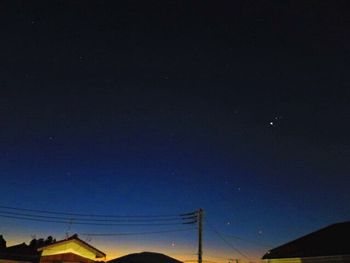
[(96, 219), (227, 242), (182, 215), (249, 241), (88, 223), (137, 233), (218, 257)]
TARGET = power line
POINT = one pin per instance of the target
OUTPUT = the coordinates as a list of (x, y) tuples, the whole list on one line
[(250, 241), (181, 215), (227, 242), (218, 257), (86, 223), (99, 220), (137, 233), (95, 219)]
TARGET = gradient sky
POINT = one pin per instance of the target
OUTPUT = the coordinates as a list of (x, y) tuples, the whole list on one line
[(163, 107)]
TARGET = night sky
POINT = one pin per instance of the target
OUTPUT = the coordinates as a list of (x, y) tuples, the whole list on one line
[(163, 107)]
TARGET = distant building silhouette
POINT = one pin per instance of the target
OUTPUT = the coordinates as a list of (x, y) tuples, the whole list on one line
[(19, 253), (327, 245), (145, 257)]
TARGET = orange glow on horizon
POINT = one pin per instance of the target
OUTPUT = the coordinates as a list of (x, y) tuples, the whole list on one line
[(112, 253), (119, 248)]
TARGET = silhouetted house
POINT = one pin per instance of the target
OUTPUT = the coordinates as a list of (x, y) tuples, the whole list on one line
[(329, 244), (145, 257), (72, 250), (19, 253)]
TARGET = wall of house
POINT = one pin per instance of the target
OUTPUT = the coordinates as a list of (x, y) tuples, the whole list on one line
[(67, 257)]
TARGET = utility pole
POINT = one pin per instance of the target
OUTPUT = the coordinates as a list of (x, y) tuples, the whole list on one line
[(200, 237)]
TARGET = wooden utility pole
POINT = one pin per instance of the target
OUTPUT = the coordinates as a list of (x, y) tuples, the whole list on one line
[(200, 230)]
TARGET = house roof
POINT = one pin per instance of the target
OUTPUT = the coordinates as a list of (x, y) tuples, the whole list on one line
[(22, 248), (328, 241), (145, 257), (99, 253), (20, 252)]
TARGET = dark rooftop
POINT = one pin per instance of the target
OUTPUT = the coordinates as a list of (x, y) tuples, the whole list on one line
[(145, 257), (20, 252), (329, 241)]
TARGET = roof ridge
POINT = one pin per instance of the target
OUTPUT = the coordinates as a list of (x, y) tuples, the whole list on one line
[(313, 243), (74, 237)]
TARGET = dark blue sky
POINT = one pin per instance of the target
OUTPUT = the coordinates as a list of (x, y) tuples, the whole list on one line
[(145, 108)]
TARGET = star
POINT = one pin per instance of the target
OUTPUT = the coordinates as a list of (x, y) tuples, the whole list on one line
[(278, 117)]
